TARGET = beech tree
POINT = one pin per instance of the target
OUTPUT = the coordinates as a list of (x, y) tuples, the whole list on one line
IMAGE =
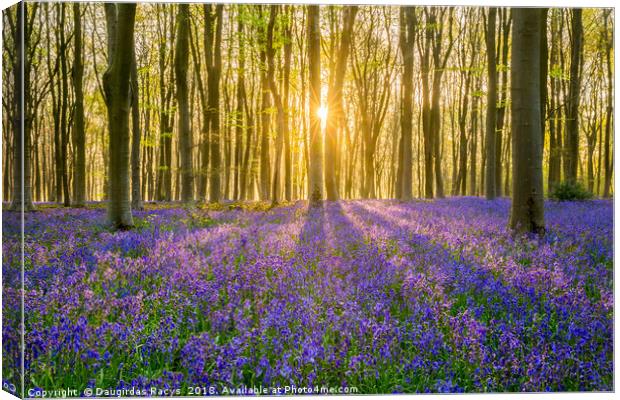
[(490, 135), (315, 174), (120, 19), (79, 170), (407, 40), (527, 210), (571, 156), (21, 28), (181, 59)]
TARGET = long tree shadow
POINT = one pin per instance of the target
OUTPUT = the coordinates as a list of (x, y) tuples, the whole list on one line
[(473, 284), (311, 240)]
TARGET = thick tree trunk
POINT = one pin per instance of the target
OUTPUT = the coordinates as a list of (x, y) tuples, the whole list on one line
[(315, 174), (181, 60), (22, 187), (490, 178), (116, 81), (527, 212)]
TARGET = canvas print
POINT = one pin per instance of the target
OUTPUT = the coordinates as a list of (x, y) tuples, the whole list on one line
[(215, 199)]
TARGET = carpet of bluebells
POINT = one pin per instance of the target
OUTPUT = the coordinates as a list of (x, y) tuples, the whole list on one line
[(384, 296)]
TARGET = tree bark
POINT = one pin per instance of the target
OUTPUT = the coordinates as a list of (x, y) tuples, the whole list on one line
[(527, 211), (64, 106), (491, 106), (334, 103), (214, 68), (408, 24), (116, 81), (608, 165), (181, 61), (22, 186), (277, 99), (315, 175), (136, 190), (239, 123), (571, 154), (79, 169)]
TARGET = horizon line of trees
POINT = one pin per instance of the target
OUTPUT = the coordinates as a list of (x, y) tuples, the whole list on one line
[(213, 102)]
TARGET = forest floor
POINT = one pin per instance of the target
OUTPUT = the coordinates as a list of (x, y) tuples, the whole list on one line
[(382, 296)]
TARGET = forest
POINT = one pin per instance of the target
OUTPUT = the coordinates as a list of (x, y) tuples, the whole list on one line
[(247, 102), (392, 198)]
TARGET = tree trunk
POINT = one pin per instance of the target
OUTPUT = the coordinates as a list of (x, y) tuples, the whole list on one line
[(164, 170), (527, 212), (22, 187), (491, 106), (239, 123), (501, 104), (555, 113), (315, 174), (116, 81), (609, 111), (407, 39), (214, 67), (288, 48), (79, 169), (426, 118), (572, 125), (181, 61), (136, 190), (64, 107), (334, 103)]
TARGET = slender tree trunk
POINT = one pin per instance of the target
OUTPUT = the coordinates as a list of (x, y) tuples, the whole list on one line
[(214, 69), (491, 106), (136, 191), (527, 212), (571, 154), (407, 39), (334, 103), (555, 133), (315, 174), (239, 125), (64, 107), (501, 104), (277, 99), (288, 47), (164, 175), (609, 109), (426, 119), (79, 169)]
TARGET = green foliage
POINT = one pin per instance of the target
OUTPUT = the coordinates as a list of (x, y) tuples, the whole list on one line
[(570, 191)]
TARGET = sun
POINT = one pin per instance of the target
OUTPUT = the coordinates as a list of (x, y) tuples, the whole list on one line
[(322, 113)]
